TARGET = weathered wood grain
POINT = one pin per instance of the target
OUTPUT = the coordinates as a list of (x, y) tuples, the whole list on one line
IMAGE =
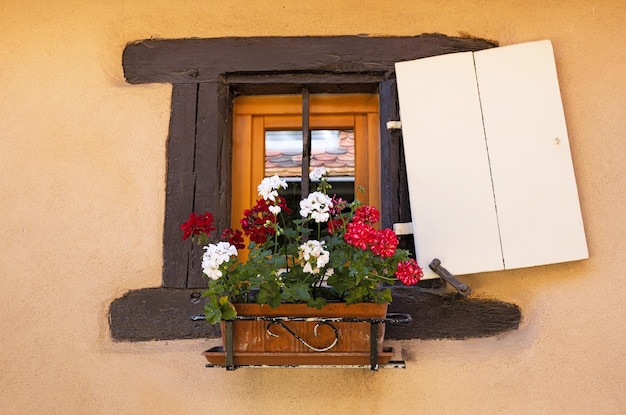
[(451, 316), (177, 253), (164, 314), (204, 60)]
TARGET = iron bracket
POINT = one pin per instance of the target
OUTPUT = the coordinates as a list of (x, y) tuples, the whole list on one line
[(445, 275), (391, 318)]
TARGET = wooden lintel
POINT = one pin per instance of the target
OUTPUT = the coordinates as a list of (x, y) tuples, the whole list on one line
[(205, 60)]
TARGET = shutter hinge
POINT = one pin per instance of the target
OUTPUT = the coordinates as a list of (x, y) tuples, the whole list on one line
[(405, 228), (394, 125)]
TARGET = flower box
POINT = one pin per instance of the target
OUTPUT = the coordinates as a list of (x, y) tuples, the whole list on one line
[(311, 287), (294, 334)]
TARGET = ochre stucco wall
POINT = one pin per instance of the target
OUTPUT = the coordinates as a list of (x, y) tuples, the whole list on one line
[(82, 162)]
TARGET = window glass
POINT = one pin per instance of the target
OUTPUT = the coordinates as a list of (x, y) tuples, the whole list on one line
[(333, 149), (267, 140)]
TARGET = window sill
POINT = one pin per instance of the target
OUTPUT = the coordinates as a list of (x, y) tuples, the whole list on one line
[(165, 314)]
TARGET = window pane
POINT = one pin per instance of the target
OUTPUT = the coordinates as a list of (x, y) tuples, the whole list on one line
[(333, 149)]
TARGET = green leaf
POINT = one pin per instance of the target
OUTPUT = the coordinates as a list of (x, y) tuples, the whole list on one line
[(212, 311), (296, 293), (269, 293), (384, 296), (318, 303), (227, 309), (357, 295), (290, 233)]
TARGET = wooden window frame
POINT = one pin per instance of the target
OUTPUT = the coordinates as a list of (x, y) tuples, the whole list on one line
[(206, 74), (255, 114)]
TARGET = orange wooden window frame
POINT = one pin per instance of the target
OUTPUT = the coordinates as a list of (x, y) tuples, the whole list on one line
[(255, 114)]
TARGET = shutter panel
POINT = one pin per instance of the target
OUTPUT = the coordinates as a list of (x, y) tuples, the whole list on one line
[(450, 189), (491, 182), (535, 188)]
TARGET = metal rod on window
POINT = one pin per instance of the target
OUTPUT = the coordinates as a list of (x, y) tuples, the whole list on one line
[(373, 345), (229, 352), (306, 143)]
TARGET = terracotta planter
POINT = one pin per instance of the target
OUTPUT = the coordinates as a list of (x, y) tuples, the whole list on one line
[(294, 334)]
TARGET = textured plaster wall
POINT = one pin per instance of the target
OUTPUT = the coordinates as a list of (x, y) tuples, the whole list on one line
[(82, 167)]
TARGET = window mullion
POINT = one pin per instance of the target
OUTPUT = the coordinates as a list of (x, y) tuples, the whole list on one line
[(306, 143)]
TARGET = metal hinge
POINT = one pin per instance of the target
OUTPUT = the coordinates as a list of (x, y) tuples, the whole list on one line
[(394, 125), (404, 228)]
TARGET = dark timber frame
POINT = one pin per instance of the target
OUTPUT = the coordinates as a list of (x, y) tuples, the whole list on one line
[(206, 74)]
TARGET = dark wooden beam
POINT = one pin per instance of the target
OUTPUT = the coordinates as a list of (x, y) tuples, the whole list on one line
[(165, 314), (293, 83), (158, 314), (198, 174), (389, 111), (204, 60), (318, 79), (450, 316), (211, 169), (178, 254), (395, 206)]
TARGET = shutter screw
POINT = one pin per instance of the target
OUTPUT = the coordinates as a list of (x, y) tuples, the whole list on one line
[(195, 297), (194, 73)]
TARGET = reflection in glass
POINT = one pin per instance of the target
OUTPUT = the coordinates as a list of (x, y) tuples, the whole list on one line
[(333, 149)]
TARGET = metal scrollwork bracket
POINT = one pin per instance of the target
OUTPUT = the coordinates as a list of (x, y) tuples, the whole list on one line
[(391, 318), (300, 339)]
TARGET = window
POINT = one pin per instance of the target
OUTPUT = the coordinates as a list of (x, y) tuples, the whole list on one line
[(204, 85), (207, 76), (267, 140)]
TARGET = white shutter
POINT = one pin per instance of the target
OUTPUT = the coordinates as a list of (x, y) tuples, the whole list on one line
[(491, 182)]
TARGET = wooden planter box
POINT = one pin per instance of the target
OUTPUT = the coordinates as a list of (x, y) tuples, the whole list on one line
[(296, 335)]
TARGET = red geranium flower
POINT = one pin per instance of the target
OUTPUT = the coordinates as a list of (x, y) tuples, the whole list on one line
[(367, 214), (385, 243), (360, 234), (198, 225), (338, 205), (409, 272), (234, 237), (256, 220), (334, 225), (337, 223)]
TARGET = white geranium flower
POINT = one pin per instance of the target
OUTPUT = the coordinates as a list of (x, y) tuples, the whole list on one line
[(214, 256), (268, 189), (275, 210), (318, 174), (316, 206), (314, 255)]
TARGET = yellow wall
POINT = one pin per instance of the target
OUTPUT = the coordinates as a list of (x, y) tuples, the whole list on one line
[(82, 168)]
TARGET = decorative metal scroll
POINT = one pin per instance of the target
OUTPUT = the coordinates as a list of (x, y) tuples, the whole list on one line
[(321, 321), (300, 339)]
